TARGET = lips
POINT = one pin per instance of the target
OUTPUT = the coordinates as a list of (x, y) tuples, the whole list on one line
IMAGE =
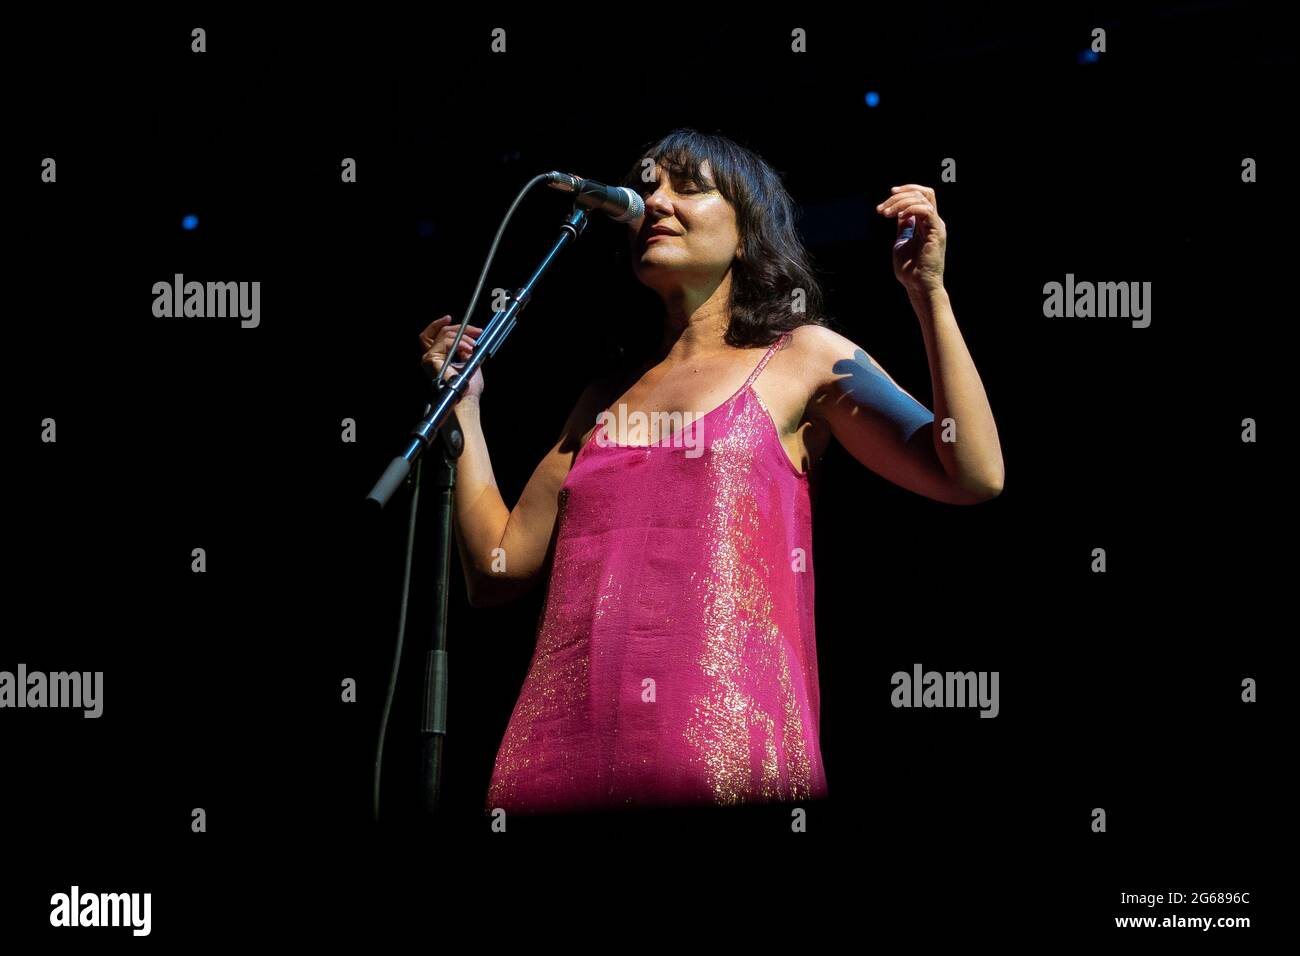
[(657, 232)]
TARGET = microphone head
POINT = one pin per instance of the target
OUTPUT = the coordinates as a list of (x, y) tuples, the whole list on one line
[(635, 206), (618, 202)]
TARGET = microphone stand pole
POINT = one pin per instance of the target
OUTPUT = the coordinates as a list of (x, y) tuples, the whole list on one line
[(440, 419)]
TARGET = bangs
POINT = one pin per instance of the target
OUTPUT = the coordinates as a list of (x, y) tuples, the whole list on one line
[(683, 154)]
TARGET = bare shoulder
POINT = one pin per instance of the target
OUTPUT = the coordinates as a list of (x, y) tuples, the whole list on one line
[(826, 356), (815, 351), (813, 337)]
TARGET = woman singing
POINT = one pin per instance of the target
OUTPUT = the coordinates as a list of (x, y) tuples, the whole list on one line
[(675, 660)]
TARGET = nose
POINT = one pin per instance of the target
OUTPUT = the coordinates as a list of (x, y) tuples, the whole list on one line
[(657, 208), (657, 205)]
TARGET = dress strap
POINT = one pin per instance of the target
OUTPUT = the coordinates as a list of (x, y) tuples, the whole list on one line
[(767, 355)]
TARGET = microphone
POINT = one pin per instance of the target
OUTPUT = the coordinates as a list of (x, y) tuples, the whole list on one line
[(618, 202)]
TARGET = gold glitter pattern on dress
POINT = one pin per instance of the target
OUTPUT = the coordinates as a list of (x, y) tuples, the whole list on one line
[(558, 679), (743, 646)]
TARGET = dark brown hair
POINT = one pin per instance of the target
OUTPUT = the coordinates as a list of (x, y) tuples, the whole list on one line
[(774, 262)]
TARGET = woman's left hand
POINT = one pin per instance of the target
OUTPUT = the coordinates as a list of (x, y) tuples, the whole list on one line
[(918, 260)]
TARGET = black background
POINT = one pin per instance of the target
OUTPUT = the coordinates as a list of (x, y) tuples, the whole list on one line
[(222, 690)]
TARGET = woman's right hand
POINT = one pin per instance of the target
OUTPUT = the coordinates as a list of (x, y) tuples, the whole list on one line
[(436, 340)]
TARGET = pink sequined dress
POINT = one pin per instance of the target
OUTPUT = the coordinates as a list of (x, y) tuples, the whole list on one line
[(675, 661)]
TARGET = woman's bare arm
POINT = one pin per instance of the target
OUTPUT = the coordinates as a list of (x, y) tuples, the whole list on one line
[(503, 549)]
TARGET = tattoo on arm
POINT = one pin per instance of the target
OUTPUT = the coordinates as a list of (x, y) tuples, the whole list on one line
[(868, 386)]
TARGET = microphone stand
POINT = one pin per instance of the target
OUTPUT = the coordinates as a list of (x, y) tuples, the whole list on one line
[(440, 419)]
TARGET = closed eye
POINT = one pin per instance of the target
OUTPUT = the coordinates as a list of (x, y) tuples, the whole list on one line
[(688, 190)]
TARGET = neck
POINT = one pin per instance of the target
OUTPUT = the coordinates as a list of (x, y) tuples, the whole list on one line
[(695, 321)]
